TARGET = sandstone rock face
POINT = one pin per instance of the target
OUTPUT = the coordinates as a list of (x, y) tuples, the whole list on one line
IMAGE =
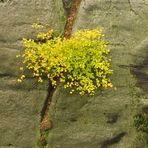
[(20, 104), (102, 121), (106, 120), (17, 16)]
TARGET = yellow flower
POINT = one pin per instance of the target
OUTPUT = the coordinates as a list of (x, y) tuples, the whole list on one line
[(36, 26), (19, 80), (40, 80), (21, 68), (23, 76), (18, 55)]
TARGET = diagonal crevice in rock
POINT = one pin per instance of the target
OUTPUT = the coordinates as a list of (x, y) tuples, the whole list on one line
[(113, 140), (45, 123)]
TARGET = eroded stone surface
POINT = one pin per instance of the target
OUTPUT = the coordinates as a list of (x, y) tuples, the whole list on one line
[(20, 104), (17, 16), (78, 122)]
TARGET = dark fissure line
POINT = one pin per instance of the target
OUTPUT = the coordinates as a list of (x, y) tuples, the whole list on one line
[(67, 34), (47, 101), (6, 75), (141, 76), (113, 140), (71, 18)]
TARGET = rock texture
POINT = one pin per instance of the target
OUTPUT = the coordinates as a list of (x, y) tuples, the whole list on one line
[(17, 17), (106, 120), (102, 121), (20, 104)]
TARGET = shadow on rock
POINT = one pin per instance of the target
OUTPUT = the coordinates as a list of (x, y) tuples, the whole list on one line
[(113, 140)]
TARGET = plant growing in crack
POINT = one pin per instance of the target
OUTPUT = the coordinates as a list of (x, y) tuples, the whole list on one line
[(80, 63)]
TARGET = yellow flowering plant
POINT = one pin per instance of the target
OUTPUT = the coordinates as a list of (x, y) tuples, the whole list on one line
[(80, 63)]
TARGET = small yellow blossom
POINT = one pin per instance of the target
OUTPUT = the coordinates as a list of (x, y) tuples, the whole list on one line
[(23, 76), (36, 26), (19, 80), (18, 55), (40, 80), (21, 68)]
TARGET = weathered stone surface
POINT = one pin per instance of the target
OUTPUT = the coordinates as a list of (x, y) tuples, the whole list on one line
[(20, 104), (105, 120), (87, 122), (17, 16)]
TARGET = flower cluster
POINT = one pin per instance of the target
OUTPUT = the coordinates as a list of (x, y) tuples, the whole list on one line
[(80, 63)]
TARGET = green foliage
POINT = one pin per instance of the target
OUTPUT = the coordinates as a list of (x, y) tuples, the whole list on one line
[(80, 63), (141, 122)]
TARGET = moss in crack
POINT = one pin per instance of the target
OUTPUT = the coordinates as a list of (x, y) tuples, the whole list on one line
[(42, 141), (141, 122)]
